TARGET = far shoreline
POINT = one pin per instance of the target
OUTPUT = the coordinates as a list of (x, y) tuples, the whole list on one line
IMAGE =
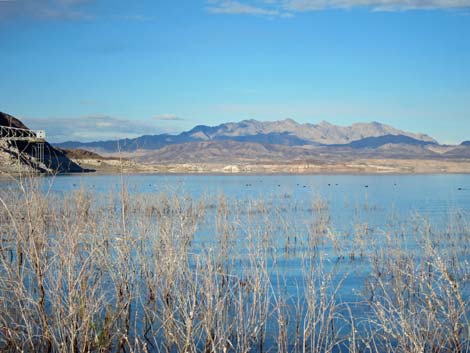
[(356, 168), (353, 167)]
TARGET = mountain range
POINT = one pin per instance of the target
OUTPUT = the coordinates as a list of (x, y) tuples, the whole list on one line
[(273, 146), (285, 132), (285, 141)]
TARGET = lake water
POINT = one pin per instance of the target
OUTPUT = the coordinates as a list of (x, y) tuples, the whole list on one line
[(380, 204), (383, 203), (433, 196), (351, 200)]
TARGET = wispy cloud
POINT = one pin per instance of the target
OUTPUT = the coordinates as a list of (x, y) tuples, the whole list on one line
[(91, 128), (60, 10), (133, 18), (287, 8), (237, 8), (168, 117), (46, 9), (375, 5)]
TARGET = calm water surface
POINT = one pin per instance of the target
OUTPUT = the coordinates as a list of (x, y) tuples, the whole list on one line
[(351, 200), (433, 196), (374, 200)]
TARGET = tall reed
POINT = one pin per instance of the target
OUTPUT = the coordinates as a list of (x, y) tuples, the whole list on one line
[(120, 271)]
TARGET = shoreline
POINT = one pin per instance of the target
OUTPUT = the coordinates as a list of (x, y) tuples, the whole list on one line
[(370, 166), (355, 167)]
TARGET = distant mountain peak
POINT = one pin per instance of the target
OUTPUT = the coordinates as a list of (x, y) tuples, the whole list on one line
[(290, 120), (287, 132)]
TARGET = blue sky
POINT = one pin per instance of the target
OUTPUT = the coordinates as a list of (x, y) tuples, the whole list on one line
[(100, 69)]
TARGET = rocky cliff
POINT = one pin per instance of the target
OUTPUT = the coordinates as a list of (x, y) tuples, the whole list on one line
[(19, 156)]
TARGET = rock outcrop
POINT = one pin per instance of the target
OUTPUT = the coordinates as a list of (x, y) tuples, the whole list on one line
[(17, 156)]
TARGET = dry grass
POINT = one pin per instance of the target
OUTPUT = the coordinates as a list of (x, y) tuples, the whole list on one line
[(87, 272)]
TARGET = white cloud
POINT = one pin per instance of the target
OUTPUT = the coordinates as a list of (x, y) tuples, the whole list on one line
[(237, 8), (286, 8), (375, 5), (91, 128), (168, 117), (60, 10), (45, 9)]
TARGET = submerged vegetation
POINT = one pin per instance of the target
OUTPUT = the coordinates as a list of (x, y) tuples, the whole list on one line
[(87, 272)]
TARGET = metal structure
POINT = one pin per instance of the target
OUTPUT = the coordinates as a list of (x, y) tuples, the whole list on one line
[(38, 137), (13, 133), (38, 153)]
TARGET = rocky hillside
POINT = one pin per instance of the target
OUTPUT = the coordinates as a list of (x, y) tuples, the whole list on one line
[(10, 121), (19, 156), (323, 133), (241, 152), (285, 132)]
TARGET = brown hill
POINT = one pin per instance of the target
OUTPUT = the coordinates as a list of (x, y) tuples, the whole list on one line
[(240, 152), (78, 153)]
